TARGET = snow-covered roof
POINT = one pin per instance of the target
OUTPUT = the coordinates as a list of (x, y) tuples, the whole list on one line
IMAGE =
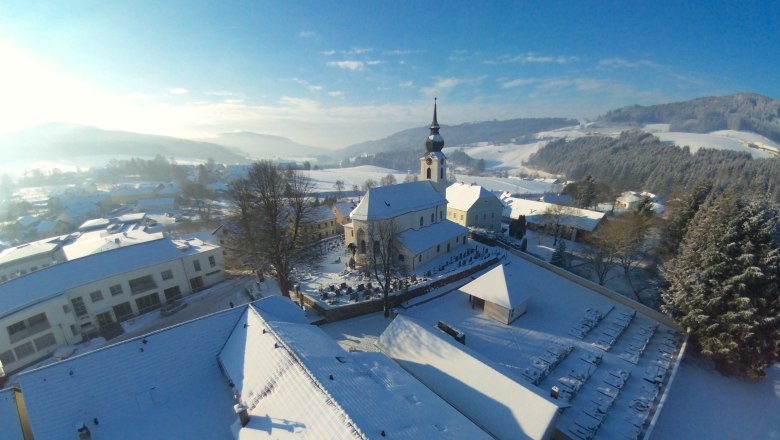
[(27, 250), (53, 280), (609, 358), (319, 214), (345, 208), (27, 220), (534, 212), (498, 286), (9, 415), (292, 371), (393, 200), (294, 380), (468, 381), (418, 240), (463, 196), (94, 242), (163, 385)]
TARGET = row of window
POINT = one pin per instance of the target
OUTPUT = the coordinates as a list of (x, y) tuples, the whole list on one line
[(28, 327), (21, 272), (433, 218), (196, 264), (27, 349)]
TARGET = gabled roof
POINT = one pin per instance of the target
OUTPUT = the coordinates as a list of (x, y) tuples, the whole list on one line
[(291, 371), (319, 213), (393, 200), (497, 286), (53, 280), (463, 196), (418, 240), (345, 208), (468, 381)]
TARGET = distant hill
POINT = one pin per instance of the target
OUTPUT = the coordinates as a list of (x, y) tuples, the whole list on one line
[(54, 141), (742, 112), (265, 146), (454, 135)]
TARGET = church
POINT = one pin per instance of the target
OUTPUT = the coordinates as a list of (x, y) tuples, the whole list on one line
[(417, 211)]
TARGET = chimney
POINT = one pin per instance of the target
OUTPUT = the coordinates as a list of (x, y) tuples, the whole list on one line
[(242, 412)]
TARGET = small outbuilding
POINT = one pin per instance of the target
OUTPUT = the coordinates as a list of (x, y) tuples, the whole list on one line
[(498, 294)]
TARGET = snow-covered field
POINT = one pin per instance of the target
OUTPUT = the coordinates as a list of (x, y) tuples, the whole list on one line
[(504, 156)]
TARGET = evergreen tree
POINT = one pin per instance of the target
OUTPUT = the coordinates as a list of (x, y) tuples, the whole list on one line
[(724, 285), (680, 212), (558, 257), (586, 192)]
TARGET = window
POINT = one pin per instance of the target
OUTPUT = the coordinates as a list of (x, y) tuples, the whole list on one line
[(428, 174), (142, 284), (172, 294), (148, 303), (400, 257), (104, 319), (421, 221), (74, 330), (96, 296), (441, 216), (433, 217), (28, 327), (492, 215), (196, 265), (7, 357), (24, 350), (438, 248), (461, 216), (123, 311), (66, 308), (78, 306), (212, 261), (448, 247), (45, 341), (441, 173), (116, 289), (166, 274), (196, 283), (419, 258)]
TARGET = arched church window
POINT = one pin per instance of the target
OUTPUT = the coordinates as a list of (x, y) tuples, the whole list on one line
[(428, 173), (362, 246), (433, 217), (441, 173), (421, 221)]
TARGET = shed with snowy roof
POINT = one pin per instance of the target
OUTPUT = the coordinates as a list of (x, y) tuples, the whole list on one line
[(498, 294)]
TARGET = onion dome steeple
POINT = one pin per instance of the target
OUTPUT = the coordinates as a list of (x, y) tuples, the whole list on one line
[(435, 142)]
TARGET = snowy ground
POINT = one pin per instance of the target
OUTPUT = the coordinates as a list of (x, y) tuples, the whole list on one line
[(504, 156), (704, 404)]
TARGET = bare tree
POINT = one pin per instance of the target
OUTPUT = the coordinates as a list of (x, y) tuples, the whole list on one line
[(553, 220), (339, 185), (368, 184), (410, 177), (269, 207), (601, 255), (387, 180), (383, 262)]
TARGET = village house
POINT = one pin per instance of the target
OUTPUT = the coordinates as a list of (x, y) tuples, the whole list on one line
[(473, 206)]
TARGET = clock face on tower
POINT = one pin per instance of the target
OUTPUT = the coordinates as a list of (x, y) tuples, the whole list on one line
[(428, 161)]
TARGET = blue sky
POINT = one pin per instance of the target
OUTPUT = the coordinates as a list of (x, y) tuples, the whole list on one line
[(331, 73)]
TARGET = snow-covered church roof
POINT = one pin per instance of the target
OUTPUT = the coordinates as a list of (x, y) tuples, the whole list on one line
[(393, 200)]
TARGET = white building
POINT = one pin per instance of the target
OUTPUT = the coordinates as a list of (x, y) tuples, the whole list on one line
[(29, 257), (292, 379), (499, 295), (417, 210), (473, 206), (67, 302), (573, 221)]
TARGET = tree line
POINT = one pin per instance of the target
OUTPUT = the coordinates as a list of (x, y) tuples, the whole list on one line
[(639, 161)]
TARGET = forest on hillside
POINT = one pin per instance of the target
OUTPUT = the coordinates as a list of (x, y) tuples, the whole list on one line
[(638, 161)]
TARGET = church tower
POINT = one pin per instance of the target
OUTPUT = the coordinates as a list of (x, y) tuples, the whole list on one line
[(433, 164)]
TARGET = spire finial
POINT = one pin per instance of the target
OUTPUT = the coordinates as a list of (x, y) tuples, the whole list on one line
[(435, 141)]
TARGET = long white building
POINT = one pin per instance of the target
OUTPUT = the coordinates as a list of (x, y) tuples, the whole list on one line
[(70, 301)]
